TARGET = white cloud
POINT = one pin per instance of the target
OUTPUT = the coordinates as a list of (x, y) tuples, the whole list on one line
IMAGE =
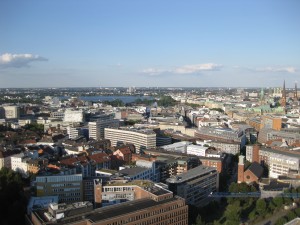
[(154, 71), (187, 69), (277, 69), (18, 60), (197, 68)]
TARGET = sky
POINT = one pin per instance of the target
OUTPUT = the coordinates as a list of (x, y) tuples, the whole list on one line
[(149, 43)]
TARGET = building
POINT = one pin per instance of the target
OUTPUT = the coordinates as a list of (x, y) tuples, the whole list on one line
[(11, 112), (252, 174), (216, 163), (272, 122), (279, 162), (74, 116), (171, 211), (196, 150), (140, 138), (19, 163), (68, 188), (137, 173), (252, 153), (178, 147), (222, 135), (269, 134), (35, 165), (97, 127), (226, 147), (119, 191), (5, 157), (195, 185), (73, 131)]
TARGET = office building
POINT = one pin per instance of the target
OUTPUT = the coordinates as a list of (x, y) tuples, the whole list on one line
[(73, 116), (140, 138), (68, 188), (195, 185), (171, 211), (97, 127)]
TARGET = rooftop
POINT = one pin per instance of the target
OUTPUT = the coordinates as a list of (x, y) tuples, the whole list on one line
[(190, 174)]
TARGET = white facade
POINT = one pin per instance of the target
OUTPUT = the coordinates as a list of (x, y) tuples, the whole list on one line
[(74, 116), (73, 132), (19, 163), (142, 139), (97, 128), (12, 112), (282, 165), (196, 150), (179, 147)]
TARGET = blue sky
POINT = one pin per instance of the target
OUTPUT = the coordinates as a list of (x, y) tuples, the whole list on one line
[(85, 43)]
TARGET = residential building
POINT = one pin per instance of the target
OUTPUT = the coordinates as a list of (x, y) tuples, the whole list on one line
[(19, 163)]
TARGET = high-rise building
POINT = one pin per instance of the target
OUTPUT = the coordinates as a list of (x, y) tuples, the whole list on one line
[(141, 138), (96, 128)]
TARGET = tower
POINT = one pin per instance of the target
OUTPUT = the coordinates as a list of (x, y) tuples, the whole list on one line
[(283, 100), (255, 153), (296, 93), (262, 96), (241, 169)]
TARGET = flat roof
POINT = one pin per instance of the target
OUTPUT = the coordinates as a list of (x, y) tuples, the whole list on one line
[(195, 172), (132, 171), (124, 208)]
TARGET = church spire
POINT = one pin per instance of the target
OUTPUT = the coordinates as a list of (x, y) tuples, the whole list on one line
[(296, 93), (283, 100)]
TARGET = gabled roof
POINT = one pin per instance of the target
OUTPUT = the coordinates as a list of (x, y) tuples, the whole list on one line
[(125, 150), (256, 169), (100, 157)]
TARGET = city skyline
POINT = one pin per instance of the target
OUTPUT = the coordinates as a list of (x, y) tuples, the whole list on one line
[(149, 43)]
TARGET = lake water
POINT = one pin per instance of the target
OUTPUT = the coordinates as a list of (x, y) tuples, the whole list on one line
[(123, 98)]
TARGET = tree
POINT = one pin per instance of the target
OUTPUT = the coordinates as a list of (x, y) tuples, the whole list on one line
[(233, 213), (261, 207), (278, 201), (12, 198), (281, 221), (297, 211), (291, 215), (199, 220)]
